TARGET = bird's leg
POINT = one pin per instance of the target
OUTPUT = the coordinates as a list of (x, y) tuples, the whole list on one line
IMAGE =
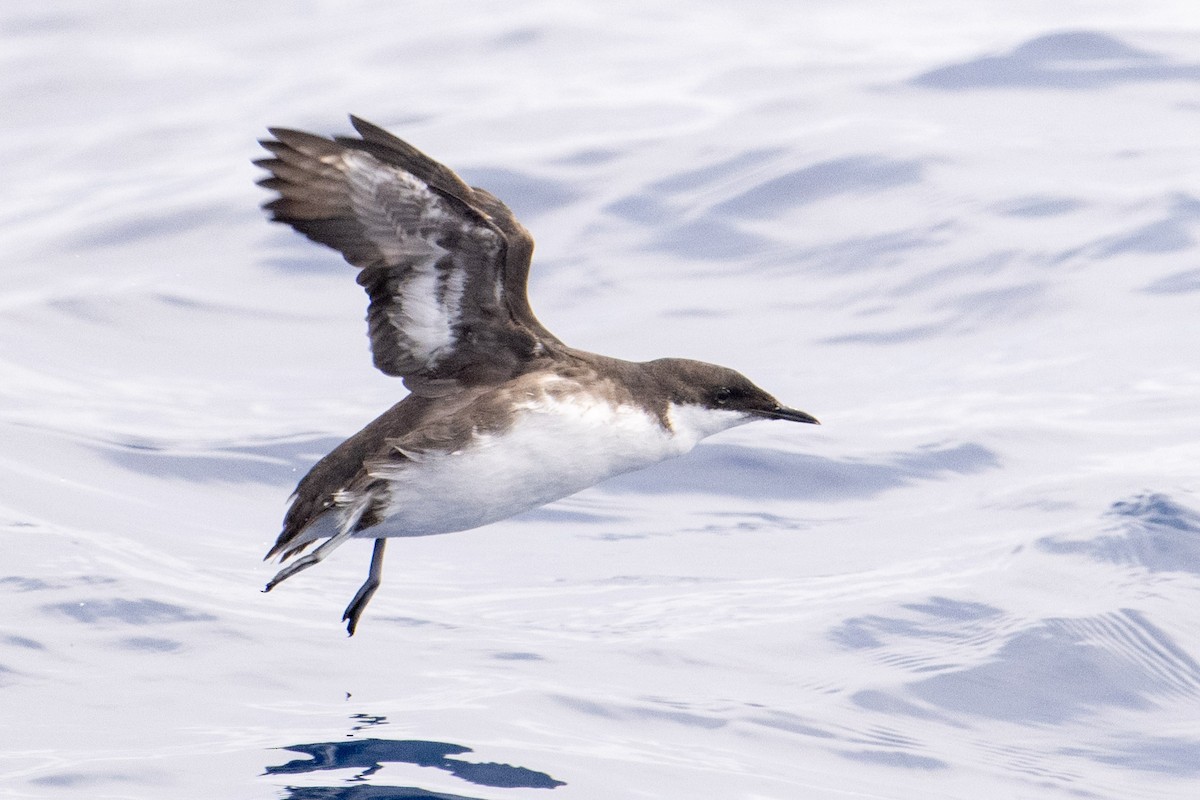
[(367, 590), (312, 558)]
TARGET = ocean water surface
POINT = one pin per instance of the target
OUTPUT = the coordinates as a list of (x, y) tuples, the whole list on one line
[(968, 242)]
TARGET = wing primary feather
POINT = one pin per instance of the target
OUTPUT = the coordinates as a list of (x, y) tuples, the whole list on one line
[(444, 265)]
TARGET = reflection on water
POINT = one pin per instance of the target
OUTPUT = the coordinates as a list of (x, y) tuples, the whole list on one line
[(369, 756), (367, 792)]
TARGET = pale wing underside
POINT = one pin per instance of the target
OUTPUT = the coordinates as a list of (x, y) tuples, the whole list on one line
[(444, 265)]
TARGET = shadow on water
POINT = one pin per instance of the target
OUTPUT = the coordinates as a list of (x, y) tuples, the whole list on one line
[(1065, 60), (369, 756)]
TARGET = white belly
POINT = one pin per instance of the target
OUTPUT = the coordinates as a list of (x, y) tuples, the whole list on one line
[(556, 448)]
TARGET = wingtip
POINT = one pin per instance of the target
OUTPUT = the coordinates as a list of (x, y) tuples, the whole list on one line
[(369, 130), (303, 142)]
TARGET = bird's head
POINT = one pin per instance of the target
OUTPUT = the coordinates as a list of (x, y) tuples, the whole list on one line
[(710, 398)]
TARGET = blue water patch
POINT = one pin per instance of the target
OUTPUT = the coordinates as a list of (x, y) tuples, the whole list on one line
[(517, 656), (725, 469), (895, 758), (23, 642), (1067, 60), (710, 238), (151, 644), (146, 226), (22, 583), (857, 174), (893, 705), (687, 181), (1039, 206), (1184, 282), (1150, 530), (527, 195), (936, 618), (1033, 675), (277, 462), (878, 251), (956, 610), (1163, 236), (144, 611), (1147, 753), (1034, 679), (792, 723), (74, 780)]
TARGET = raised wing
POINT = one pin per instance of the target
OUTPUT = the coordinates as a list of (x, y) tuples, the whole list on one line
[(445, 265)]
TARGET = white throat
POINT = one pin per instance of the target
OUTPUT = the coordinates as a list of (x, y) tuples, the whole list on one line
[(691, 423)]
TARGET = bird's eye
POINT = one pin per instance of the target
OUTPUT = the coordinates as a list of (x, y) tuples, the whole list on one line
[(722, 395)]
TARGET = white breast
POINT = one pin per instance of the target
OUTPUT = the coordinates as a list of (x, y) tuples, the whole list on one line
[(556, 447)]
